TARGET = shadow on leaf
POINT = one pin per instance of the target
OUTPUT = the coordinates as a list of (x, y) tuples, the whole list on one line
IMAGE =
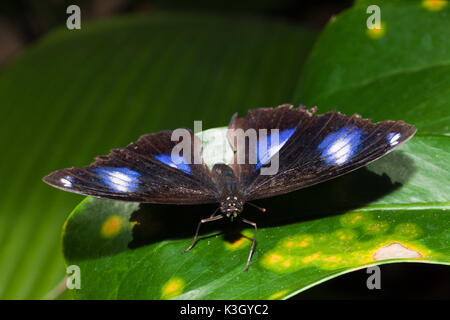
[(355, 190), (105, 227)]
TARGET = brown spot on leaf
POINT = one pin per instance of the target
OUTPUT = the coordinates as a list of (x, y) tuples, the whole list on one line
[(395, 250)]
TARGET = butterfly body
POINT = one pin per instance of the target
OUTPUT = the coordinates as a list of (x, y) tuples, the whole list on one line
[(231, 200), (308, 149)]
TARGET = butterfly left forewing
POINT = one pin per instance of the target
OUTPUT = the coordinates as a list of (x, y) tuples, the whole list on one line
[(143, 171)]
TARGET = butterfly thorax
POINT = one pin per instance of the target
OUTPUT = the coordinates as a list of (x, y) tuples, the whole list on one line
[(231, 200)]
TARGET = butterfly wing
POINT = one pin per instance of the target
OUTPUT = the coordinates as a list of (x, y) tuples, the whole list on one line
[(312, 148), (247, 160), (143, 171)]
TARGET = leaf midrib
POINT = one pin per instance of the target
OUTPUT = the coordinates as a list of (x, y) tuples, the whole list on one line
[(407, 206)]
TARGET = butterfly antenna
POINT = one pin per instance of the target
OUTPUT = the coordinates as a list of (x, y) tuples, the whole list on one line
[(259, 208)]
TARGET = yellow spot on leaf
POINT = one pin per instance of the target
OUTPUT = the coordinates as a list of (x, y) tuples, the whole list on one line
[(244, 241), (287, 263), (277, 295), (376, 33), (303, 244), (273, 258), (375, 227), (311, 258), (331, 258), (289, 244), (112, 226), (332, 262), (299, 241), (172, 288), (304, 241), (355, 219), (408, 230), (434, 5), (344, 247), (345, 234)]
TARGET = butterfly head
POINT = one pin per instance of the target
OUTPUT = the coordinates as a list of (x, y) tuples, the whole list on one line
[(231, 206)]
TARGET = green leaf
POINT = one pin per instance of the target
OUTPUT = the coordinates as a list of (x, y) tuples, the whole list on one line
[(403, 73), (395, 210), (127, 250), (77, 94)]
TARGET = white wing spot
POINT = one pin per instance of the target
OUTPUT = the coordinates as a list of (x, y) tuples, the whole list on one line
[(393, 138), (66, 182)]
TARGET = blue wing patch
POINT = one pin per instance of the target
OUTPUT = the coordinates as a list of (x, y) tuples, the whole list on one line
[(181, 165), (339, 146), (118, 179), (270, 150)]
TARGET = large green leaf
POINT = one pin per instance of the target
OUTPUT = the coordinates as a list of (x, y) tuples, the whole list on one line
[(127, 250), (400, 72), (393, 211), (77, 94)]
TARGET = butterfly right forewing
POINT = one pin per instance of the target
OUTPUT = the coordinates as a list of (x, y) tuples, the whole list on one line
[(320, 148)]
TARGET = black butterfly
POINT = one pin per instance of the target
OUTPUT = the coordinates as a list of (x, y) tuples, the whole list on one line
[(310, 148)]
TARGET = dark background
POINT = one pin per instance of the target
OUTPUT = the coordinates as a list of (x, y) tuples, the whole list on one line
[(23, 22)]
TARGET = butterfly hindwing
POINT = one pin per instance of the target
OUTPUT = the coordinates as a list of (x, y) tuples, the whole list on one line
[(144, 171), (318, 147)]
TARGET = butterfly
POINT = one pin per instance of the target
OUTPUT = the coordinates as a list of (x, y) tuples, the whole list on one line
[(309, 149)]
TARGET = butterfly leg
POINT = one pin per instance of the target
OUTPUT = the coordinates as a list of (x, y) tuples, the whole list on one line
[(253, 243), (212, 218)]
